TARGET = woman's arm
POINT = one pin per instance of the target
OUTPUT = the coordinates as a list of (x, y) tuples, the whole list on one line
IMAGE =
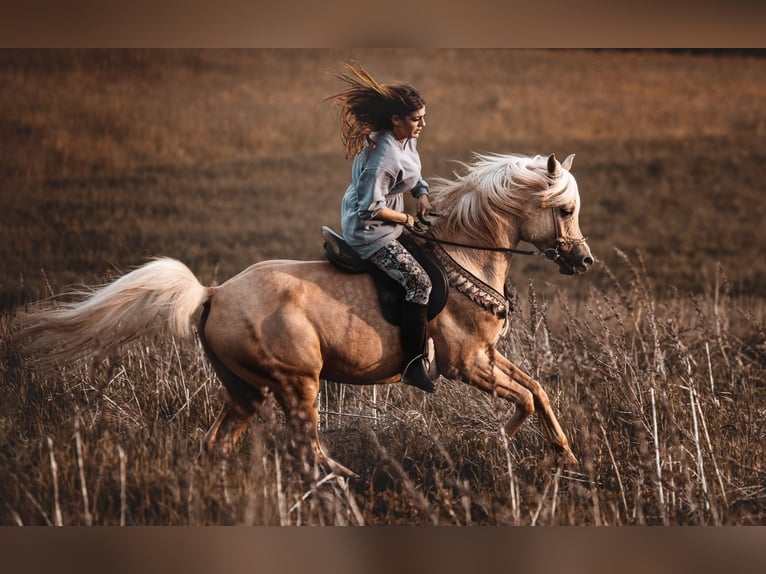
[(420, 193), (393, 216)]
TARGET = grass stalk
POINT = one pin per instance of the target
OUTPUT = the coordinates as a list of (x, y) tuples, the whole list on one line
[(284, 518), (123, 485), (81, 469), (58, 520), (513, 487), (616, 469), (698, 446), (554, 496), (351, 500), (719, 477), (658, 465)]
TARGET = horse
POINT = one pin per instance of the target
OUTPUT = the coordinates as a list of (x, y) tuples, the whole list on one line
[(280, 326)]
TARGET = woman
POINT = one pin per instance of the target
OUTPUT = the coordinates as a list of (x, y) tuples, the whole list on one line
[(380, 125)]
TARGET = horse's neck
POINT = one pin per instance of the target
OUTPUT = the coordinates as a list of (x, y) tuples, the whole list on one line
[(490, 267)]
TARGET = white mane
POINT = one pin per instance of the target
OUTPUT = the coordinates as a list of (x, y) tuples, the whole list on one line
[(496, 187)]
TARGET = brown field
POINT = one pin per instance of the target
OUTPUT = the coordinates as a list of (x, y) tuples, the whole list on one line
[(655, 360)]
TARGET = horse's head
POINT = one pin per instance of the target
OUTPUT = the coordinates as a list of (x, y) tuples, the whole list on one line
[(532, 199), (552, 224)]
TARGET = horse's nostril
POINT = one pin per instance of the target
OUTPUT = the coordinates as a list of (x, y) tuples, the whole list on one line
[(588, 261)]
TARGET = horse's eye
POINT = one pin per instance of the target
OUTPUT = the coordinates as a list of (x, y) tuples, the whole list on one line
[(566, 212)]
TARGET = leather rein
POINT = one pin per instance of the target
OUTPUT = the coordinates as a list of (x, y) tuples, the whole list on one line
[(552, 253)]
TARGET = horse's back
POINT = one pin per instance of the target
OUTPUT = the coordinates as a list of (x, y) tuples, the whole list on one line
[(295, 284)]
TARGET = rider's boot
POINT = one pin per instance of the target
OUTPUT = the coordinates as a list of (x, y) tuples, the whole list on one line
[(414, 334)]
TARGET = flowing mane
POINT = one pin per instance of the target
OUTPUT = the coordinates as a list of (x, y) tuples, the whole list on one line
[(496, 186)]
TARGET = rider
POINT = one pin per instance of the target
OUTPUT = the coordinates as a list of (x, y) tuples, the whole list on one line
[(380, 125)]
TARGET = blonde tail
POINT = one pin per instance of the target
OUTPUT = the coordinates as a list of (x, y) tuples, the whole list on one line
[(162, 292)]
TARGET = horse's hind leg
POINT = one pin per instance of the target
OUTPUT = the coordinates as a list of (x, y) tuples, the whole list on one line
[(299, 402), (242, 401), (226, 429)]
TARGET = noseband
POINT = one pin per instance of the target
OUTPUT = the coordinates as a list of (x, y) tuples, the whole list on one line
[(552, 253)]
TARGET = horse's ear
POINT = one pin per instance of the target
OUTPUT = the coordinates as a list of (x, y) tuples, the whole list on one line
[(567, 163), (552, 167)]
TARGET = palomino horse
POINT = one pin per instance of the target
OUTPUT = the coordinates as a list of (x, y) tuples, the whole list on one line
[(280, 326)]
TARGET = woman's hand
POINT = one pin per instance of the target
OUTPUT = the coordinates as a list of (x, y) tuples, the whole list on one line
[(424, 205)]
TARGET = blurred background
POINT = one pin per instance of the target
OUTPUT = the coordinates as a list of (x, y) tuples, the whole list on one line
[(226, 157)]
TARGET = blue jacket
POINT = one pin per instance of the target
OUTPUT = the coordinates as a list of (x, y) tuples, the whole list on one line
[(379, 176)]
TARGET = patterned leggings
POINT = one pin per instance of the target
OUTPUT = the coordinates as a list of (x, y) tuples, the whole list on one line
[(401, 266)]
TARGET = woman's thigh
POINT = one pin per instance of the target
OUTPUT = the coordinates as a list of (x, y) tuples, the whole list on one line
[(394, 260)]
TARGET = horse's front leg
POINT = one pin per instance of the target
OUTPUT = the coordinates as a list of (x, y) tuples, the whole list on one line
[(493, 373), (541, 404)]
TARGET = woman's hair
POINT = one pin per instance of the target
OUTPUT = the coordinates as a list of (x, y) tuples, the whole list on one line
[(366, 106)]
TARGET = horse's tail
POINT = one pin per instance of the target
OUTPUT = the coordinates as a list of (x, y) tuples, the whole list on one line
[(161, 292)]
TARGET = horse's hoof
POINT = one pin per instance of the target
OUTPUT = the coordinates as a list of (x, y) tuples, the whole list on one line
[(339, 470), (568, 458)]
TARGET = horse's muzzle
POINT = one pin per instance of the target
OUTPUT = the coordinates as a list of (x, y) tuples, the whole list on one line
[(575, 261)]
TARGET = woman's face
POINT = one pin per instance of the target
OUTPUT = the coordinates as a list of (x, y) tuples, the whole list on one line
[(410, 125)]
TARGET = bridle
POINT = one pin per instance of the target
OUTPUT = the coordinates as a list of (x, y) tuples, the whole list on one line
[(552, 253)]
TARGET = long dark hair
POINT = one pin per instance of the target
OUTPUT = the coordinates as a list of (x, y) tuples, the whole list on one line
[(366, 106)]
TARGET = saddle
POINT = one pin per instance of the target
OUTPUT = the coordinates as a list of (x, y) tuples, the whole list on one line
[(390, 293)]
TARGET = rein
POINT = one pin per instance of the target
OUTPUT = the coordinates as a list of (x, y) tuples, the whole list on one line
[(552, 253), (429, 237), (426, 233)]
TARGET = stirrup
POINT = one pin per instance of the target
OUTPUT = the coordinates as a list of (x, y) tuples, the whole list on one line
[(420, 378)]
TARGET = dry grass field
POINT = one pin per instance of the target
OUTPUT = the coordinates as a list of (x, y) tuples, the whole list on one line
[(655, 361)]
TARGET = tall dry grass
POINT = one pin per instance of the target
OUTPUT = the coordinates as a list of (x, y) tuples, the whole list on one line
[(663, 402)]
